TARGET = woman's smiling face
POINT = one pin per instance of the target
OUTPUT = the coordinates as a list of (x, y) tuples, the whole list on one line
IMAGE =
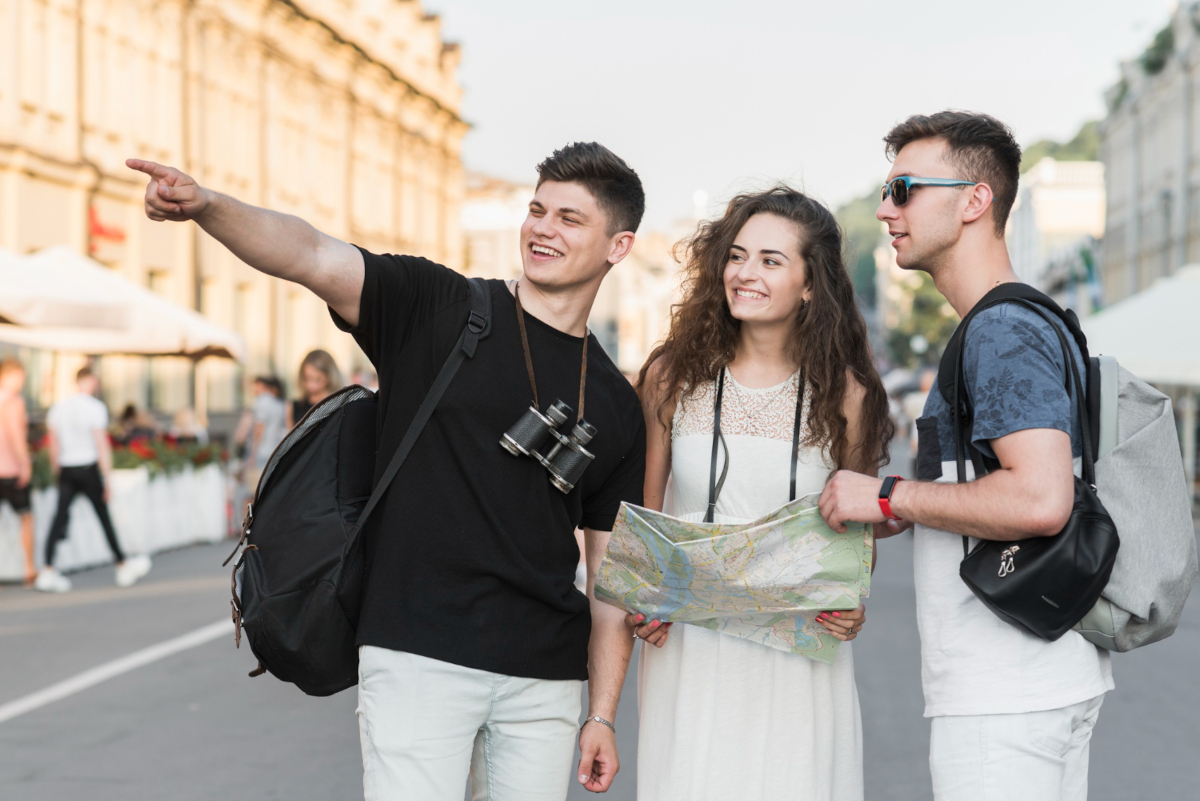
[(765, 277)]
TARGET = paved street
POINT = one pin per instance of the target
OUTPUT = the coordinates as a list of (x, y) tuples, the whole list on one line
[(193, 726)]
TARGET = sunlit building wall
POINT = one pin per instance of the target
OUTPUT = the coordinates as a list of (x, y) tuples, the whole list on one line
[(1150, 144), (344, 112)]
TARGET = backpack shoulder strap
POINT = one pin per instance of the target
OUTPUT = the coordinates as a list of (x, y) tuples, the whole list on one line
[(479, 325), (1005, 292), (1021, 294)]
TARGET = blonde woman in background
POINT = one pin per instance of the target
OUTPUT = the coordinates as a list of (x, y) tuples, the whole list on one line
[(319, 378)]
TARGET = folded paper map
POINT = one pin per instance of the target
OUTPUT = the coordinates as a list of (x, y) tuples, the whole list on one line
[(764, 581)]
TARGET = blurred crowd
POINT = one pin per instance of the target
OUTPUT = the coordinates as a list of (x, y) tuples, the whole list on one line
[(78, 444)]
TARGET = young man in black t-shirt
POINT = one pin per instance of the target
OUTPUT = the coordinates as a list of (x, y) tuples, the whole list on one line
[(473, 639)]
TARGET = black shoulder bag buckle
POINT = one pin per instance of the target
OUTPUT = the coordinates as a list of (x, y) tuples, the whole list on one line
[(479, 325), (1042, 585)]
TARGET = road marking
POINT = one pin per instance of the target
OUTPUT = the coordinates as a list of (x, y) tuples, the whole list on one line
[(18, 600), (109, 670)]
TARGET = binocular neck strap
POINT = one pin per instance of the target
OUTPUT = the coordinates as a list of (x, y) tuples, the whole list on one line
[(529, 358), (715, 484)]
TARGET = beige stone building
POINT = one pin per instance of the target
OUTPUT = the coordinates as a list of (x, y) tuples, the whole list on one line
[(1150, 146), (344, 112), (493, 211), (1055, 227)]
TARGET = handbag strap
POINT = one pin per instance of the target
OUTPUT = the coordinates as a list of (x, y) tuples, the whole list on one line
[(958, 404), (479, 325), (715, 485)]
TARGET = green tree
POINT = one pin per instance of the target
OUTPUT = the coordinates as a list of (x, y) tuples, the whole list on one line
[(862, 234), (1085, 146), (926, 322)]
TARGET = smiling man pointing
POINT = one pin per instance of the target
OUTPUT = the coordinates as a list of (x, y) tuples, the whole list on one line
[(473, 640)]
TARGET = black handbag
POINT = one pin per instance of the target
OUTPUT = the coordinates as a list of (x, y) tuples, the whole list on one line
[(1042, 585)]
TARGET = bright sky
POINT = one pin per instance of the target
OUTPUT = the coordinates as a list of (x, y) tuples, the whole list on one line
[(717, 96)]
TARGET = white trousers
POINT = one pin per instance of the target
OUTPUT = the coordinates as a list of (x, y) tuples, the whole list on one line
[(426, 724), (1030, 756)]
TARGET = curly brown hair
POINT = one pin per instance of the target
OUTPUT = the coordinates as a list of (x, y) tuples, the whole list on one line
[(828, 338)]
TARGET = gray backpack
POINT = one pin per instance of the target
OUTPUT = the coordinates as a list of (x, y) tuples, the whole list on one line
[(1141, 482)]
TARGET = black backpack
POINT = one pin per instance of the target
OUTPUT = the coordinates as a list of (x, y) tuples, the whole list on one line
[(297, 588)]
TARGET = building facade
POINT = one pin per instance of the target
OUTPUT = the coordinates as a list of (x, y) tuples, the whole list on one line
[(1055, 229), (343, 112), (492, 214), (1150, 141)]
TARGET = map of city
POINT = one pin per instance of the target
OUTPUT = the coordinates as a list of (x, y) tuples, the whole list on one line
[(764, 581)]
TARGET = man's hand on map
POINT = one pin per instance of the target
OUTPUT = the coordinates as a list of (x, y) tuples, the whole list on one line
[(845, 625), (851, 497), (653, 632)]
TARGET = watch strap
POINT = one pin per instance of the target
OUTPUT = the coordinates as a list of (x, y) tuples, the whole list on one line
[(885, 496)]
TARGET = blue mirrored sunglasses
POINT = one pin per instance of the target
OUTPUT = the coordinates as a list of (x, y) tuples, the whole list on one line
[(898, 188)]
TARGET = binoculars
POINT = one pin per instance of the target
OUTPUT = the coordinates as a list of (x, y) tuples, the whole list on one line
[(567, 458)]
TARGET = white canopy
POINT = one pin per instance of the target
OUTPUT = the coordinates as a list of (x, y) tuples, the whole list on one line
[(45, 296), (153, 325), (1154, 333)]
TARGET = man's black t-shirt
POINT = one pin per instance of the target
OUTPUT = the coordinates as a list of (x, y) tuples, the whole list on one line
[(471, 554)]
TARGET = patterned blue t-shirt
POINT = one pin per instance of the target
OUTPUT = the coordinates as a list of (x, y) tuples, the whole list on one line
[(1015, 380)]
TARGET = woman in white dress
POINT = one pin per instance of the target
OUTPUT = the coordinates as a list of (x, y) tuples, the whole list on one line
[(767, 306)]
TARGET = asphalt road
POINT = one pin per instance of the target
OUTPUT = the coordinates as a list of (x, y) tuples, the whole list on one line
[(193, 726)]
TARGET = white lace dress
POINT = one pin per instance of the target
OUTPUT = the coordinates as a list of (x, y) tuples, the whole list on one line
[(722, 718)]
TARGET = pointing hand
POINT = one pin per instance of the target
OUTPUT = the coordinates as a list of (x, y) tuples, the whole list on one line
[(171, 194)]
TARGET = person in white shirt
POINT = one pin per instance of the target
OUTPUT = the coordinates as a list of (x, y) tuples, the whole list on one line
[(1012, 714), (263, 427), (81, 457)]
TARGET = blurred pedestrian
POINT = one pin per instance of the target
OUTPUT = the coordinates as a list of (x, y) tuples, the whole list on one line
[(913, 403), (16, 465), (186, 428), (81, 457), (768, 334), (134, 424), (1012, 713), (268, 425), (365, 378), (318, 379)]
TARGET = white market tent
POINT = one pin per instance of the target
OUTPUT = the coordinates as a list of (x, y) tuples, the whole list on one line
[(147, 324), (1155, 334), (44, 298)]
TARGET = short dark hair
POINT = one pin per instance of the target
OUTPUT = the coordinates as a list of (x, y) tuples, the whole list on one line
[(981, 147), (271, 383), (602, 172), (84, 372)]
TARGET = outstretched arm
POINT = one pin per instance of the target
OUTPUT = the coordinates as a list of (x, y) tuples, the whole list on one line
[(279, 245)]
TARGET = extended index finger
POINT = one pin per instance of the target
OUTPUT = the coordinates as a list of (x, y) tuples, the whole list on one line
[(151, 168)]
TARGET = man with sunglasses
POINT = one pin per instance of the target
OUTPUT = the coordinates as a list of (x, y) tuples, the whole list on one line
[(1012, 714)]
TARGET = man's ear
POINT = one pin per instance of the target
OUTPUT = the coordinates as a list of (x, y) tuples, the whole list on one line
[(620, 246), (978, 204)]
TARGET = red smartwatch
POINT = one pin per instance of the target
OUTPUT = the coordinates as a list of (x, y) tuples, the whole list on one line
[(885, 496)]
